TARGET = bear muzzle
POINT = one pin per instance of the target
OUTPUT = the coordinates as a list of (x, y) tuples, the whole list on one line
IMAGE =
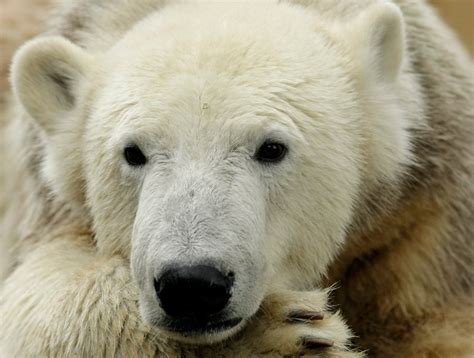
[(194, 299)]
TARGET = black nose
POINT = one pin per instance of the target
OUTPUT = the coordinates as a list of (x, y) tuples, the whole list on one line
[(193, 291)]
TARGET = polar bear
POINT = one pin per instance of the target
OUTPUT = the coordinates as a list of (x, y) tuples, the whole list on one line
[(196, 169)]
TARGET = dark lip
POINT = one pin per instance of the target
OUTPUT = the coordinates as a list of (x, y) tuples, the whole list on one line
[(196, 327)]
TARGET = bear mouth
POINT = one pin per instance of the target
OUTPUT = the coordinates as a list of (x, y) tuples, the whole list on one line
[(193, 327)]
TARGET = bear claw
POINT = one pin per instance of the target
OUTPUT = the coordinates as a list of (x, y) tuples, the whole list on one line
[(303, 316), (316, 343)]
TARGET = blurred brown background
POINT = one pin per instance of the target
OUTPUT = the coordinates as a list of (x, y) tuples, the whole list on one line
[(459, 14)]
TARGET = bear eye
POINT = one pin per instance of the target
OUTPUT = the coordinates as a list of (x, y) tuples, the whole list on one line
[(271, 152), (134, 156)]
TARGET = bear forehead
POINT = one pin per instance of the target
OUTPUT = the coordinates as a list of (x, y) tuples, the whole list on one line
[(204, 64), (255, 41)]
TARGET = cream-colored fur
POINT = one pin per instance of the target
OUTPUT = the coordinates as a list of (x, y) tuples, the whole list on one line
[(94, 313), (404, 259)]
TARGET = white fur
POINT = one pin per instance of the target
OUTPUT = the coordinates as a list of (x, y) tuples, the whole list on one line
[(214, 83)]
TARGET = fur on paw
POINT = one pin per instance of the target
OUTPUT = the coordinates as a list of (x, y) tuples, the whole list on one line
[(295, 324)]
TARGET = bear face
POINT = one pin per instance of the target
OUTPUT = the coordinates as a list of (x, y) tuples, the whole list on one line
[(224, 158)]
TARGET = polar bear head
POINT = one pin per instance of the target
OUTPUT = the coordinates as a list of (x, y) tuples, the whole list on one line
[(224, 149)]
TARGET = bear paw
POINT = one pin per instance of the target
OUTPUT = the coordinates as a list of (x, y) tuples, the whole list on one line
[(296, 324)]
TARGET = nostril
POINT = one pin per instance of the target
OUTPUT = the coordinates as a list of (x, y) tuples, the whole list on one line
[(194, 291)]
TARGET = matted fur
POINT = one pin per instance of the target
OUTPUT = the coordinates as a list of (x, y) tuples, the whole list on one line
[(406, 273)]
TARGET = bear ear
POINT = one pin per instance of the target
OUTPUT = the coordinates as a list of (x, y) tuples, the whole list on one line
[(378, 37), (45, 77)]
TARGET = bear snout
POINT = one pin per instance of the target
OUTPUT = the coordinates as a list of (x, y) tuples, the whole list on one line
[(197, 292)]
